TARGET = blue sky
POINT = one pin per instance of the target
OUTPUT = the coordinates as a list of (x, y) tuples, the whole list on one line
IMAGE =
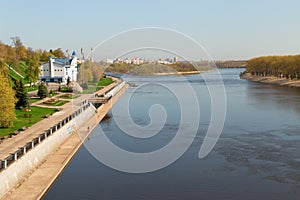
[(228, 29)]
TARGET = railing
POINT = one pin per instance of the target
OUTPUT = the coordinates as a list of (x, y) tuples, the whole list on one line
[(37, 140)]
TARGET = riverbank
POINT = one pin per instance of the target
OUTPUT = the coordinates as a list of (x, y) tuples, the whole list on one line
[(39, 182), (32, 176), (179, 73), (271, 80)]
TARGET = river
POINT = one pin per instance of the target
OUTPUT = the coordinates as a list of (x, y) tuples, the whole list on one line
[(256, 157)]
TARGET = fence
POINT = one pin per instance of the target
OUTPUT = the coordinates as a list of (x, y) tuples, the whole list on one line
[(37, 140)]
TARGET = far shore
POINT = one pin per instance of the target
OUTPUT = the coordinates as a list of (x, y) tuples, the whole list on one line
[(271, 80), (178, 73), (174, 73)]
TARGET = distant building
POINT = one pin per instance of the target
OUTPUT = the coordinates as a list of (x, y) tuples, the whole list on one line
[(175, 59), (118, 60), (59, 69), (127, 61), (138, 61), (109, 61)]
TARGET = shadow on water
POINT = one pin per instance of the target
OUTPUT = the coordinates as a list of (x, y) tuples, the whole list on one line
[(107, 117), (274, 96)]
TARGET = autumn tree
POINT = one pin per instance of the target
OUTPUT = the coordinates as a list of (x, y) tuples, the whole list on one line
[(93, 69), (7, 98), (277, 66), (7, 53), (44, 55), (20, 49), (33, 69), (58, 53)]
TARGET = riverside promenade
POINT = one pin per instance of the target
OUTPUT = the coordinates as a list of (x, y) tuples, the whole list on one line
[(10, 145), (38, 182)]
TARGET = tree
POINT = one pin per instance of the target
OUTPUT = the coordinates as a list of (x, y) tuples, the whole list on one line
[(277, 66), (20, 49), (42, 91), (7, 99), (68, 81), (21, 95), (33, 70), (44, 55), (58, 53)]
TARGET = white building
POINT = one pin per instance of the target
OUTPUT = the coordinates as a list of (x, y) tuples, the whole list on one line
[(59, 69), (109, 61)]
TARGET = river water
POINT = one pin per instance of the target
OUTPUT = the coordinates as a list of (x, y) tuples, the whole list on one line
[(256, 157)]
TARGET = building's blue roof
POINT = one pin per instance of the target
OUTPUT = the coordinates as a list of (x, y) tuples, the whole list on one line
[(63, 61)]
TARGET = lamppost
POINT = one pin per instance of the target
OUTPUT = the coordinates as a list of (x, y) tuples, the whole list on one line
[(29, 111), (29, 115), (29, 108)]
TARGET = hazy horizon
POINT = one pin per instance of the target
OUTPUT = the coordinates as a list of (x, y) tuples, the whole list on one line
[(228, 30)]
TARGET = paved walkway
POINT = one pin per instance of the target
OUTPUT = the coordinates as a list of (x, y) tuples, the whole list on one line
[(10, 145)]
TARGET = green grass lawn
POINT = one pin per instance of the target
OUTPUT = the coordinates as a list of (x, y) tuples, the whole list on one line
[(33, 100), (32, 88), (105, 82), (52, 94), (37, 114)]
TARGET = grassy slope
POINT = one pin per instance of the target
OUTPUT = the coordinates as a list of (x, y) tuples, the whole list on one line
[(105, 81), (20, 69)]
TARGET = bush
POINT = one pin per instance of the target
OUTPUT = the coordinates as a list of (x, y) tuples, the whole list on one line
[(43, 91), (84, 86)]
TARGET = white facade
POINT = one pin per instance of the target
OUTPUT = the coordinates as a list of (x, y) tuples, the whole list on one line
[(59, 69)]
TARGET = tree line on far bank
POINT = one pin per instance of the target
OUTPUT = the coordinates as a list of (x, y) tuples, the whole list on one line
[(277, 66), (150, 68)]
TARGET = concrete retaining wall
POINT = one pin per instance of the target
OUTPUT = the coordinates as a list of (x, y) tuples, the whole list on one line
[(25, 165)]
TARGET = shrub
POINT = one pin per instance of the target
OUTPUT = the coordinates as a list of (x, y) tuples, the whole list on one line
[(43, 91)]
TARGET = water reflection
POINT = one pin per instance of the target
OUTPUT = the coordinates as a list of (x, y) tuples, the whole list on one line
[(274, 96)]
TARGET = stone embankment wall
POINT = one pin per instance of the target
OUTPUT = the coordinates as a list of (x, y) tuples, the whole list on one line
[(23, 166)]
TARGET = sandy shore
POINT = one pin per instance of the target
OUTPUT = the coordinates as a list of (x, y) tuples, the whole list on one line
[(271, 80)]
